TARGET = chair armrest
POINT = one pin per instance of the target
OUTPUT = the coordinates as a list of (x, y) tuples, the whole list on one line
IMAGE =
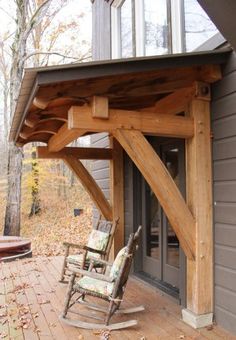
[(73, 245), (92, 250), (93, 275)]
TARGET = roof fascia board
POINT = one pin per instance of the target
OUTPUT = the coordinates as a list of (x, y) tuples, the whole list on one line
[(27, 106), (119, 67)]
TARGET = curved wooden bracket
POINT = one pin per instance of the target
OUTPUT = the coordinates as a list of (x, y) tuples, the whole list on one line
[(162, 184), (90, 185)]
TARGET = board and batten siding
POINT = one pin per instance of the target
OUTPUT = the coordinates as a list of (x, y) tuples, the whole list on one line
[(224, 174), (101, 50)]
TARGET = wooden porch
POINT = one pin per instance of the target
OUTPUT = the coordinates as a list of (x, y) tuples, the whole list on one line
[(31, 299)]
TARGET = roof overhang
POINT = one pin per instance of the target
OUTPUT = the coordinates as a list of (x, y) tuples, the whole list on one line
[(222, 13), (47, 93)]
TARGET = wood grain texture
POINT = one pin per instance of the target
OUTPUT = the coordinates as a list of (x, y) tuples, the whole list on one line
[(199, 199), (100, 107), (90, 186), (162, 184), (63, 137), (148, 122), (78, 152)]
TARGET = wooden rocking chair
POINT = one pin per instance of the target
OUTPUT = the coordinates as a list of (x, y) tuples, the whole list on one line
[(98, 245), (110, 288)]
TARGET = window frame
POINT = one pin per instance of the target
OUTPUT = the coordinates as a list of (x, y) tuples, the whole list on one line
[(174, 13)]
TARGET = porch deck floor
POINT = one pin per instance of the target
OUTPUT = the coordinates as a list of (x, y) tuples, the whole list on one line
[(31, 299)]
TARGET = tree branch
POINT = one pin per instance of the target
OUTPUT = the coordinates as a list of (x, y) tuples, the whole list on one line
[(36, 17), (53, 53)]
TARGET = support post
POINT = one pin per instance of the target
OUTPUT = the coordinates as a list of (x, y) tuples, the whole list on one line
[(199, 199), (117, 192)]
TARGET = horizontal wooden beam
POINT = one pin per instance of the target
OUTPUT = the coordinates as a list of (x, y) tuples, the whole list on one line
[(148, 122), (80, 153), (90, 186), (64, 137), (162, 184)]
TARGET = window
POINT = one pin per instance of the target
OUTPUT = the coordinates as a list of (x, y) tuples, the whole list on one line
[(148, 27)]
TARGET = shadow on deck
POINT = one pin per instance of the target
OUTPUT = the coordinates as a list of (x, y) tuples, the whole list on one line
[(31, 299)]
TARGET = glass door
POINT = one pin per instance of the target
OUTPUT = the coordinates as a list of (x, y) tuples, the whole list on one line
[(162, 254)]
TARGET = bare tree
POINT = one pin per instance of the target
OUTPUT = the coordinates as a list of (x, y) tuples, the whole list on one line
[(24, 27)]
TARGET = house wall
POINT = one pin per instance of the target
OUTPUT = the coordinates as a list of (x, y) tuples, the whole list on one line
[(224, 174)]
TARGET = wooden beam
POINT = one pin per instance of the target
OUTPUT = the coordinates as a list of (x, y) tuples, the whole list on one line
[(148, 122), (199, 199), (41, 103), (64, 137), (90, 186), (80, 153), (162, 184), (173, 103), (100, 107), (25, 135), (117, 193)]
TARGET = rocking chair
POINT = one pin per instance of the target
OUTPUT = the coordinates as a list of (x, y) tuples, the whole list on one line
[(110, 288), (98, 246)]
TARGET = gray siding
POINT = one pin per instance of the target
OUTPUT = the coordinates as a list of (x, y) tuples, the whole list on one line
[(100, 168), (101, 40), (101, 50), (224, 174)]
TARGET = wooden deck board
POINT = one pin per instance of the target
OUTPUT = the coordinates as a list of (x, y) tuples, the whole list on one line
[(43, 298)]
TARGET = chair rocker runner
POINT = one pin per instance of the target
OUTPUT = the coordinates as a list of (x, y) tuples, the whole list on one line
[(110, 288), (98, 245)]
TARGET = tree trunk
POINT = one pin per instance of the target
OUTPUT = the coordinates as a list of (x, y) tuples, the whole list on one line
[(15, 155), (12, 216), (35, 206)]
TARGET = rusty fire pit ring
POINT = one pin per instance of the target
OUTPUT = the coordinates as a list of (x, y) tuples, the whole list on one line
[(14, 247)]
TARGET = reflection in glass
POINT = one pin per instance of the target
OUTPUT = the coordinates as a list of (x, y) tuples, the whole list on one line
[(172, 242), (156, 28), (153, 225), (126, 26), (198, 26)]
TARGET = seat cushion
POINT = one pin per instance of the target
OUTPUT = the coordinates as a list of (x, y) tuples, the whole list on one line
[(76, 259), (94, 285)]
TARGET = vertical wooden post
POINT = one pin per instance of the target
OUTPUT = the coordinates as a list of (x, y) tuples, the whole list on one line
[(117, 193), (199, 198)]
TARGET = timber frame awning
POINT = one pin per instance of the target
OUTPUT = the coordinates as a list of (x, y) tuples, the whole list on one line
[(47, 93), (162, 96)]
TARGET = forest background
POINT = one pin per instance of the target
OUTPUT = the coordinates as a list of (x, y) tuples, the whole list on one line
[(50, 192)]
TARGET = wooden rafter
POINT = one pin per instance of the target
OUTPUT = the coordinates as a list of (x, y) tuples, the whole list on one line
[(80, 153), (162, 184), (64, 137), (174, 103), (149, 122), (90, 185)]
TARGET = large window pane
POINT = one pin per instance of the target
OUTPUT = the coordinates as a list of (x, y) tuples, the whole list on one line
[(127, 30), (156, 27), (198, 26)]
